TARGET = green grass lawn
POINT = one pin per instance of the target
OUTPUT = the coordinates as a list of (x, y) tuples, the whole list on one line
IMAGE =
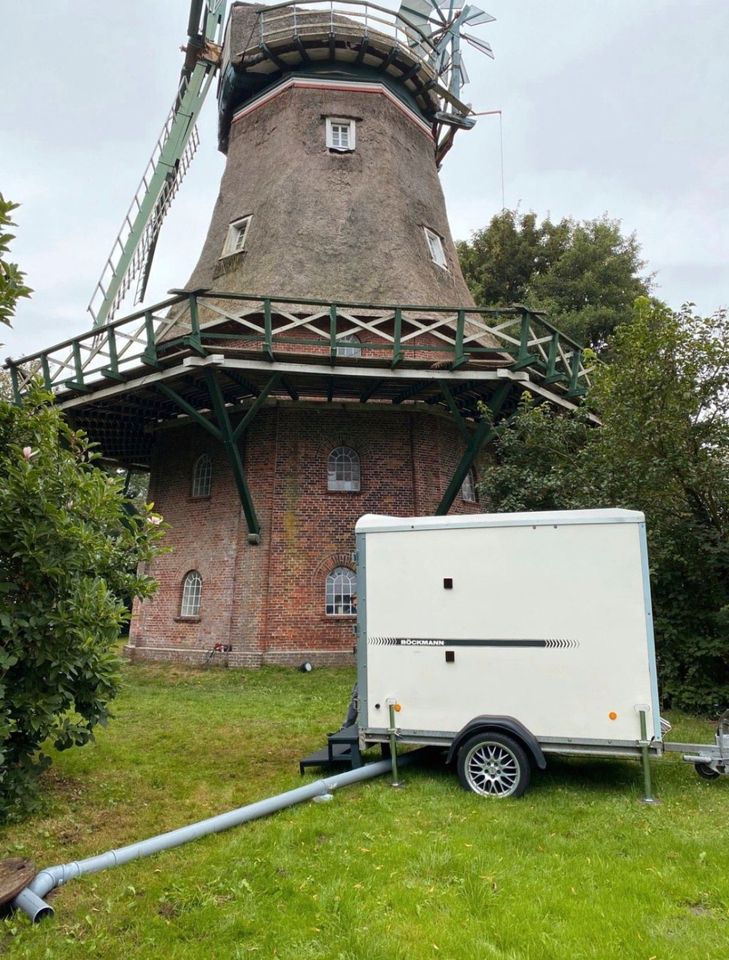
[(578, 868)]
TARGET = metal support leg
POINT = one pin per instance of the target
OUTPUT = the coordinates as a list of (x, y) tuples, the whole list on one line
[(645, 760), (396, 782)]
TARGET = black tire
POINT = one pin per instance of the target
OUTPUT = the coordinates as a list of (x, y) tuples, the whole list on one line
[(706, 772), (494, 765)]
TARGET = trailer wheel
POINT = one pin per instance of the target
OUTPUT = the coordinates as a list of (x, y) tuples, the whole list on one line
[(706, 772), (493, 765)]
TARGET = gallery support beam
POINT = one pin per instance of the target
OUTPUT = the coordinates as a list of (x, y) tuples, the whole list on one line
[(256, 406), (484, 432), (225, 434), (455, 412), (232, 452)]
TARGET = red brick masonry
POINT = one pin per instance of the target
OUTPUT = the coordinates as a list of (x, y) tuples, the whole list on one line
[(267, 601)]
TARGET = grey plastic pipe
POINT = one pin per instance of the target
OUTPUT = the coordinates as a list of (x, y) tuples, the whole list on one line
[(31, 900)]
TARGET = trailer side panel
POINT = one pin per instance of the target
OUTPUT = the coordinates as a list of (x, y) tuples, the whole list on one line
[(547, 622)]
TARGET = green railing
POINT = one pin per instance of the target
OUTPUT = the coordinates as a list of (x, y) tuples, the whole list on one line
[(285, 329)]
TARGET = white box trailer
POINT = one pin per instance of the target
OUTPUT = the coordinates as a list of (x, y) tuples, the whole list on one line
[(506, 637)]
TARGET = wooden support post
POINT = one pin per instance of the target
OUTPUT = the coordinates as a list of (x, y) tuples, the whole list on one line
[(241, 427), (362, 51), (333, 333), (17, 398), (77, 364), (452, 406), (47, 381), (575, 390), (459, 357), (150, 351), (552, 375), (482, 434), (112, 371), (194, 339), (397, 354), (524, 358), (78, 383), (370, 389), (231, 449), (267, 331), (289, 389), (189, 410)]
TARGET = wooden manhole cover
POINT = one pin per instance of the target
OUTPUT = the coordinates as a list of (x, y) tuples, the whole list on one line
[(15, 875)]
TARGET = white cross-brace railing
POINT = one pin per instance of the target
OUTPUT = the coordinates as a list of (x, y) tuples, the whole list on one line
[(277, 327)]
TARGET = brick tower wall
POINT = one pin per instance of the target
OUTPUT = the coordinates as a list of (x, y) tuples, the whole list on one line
[(267, 601)]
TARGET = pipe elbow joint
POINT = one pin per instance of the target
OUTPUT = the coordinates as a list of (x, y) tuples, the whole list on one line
[(32, 905)]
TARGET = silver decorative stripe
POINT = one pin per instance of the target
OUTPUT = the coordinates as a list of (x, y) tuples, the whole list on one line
[(548, 643)]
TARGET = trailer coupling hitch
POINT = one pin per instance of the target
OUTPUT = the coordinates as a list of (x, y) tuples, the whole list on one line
[(712, 762)]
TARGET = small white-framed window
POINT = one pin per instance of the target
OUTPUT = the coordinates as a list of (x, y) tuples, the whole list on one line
[(341, 592), (435, 245), (341, 134), (235, 239), (191, 594), (202, 476), (343, 471), (349, 346), (468, 488)]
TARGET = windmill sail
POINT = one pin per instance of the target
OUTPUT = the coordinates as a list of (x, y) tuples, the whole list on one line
[(417, 13), (139, 263), (441, 21), (133, 249)]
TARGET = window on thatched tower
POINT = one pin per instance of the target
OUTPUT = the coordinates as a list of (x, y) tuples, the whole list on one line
[(340, 134), (435, 245), (235, 239)]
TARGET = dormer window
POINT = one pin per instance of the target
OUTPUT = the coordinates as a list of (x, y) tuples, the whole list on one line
[(235, 240), (435, 245), (340, 134)]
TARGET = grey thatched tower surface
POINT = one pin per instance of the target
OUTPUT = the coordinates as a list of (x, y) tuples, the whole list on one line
[(326, 224)]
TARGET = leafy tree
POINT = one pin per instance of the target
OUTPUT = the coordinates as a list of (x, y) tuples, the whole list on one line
[(70, 543), (68, 551), (586, 275), (12, 280), (663, 448)]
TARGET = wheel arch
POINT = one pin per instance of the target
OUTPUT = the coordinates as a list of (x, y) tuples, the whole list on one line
[(507, 725)]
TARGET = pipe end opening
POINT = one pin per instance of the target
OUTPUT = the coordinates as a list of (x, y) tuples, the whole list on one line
[(43, 913)]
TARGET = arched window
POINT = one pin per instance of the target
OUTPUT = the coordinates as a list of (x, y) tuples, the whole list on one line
[(343, 469), (202, 476), (191, 595), (349, 346), (468, 488), (341, 592)]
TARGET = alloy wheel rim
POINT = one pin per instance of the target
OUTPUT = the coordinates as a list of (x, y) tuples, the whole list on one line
[(492, 770)]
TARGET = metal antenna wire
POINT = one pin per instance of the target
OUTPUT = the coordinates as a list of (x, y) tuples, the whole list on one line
[(492, 113)]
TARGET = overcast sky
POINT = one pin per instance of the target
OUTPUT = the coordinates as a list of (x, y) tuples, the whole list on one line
[(609, 106)]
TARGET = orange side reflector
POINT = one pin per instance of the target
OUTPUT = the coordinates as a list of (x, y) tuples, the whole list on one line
[(613, 715)]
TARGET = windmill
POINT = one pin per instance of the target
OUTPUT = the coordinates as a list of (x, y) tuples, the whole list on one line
[(325, 357), (433, 28), (133, 249)]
